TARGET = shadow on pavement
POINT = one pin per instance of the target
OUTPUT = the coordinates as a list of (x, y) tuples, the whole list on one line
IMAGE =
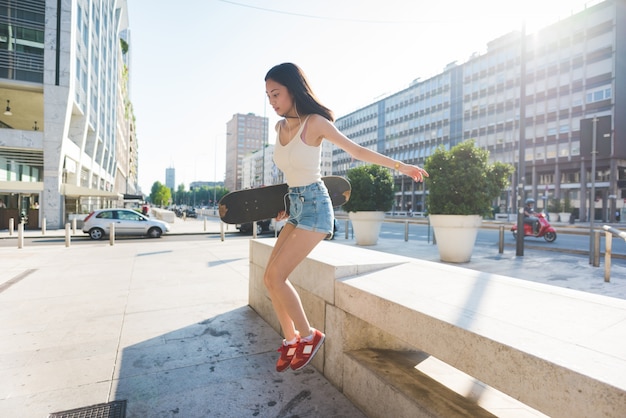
[(223, 366)]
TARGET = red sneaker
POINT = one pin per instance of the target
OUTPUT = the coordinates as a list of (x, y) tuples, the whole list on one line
[(286, 355), (306, 350)]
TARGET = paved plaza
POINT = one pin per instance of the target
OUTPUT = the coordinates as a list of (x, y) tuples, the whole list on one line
[(165, 325)]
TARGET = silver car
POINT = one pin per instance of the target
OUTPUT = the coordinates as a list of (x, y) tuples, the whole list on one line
[(126, 221)]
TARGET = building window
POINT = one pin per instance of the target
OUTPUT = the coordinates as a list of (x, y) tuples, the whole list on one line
[(598, 95)]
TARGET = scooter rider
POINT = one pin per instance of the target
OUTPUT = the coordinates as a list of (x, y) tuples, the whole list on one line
[(529, 215)]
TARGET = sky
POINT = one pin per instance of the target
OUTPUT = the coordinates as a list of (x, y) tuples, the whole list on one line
[(196, 63)]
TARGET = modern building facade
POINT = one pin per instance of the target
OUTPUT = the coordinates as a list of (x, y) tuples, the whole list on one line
[(68, 145), (573, 70), (245, 134), (258, 169)]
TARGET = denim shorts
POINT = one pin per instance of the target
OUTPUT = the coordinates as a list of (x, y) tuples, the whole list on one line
[(310, 208)]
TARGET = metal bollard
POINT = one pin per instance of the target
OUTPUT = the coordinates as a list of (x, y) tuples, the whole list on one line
[(67, 235), (222, 231), (608, 247), (112, 234), (254, 230), (74, 226), (43, 226), (205, 224), (429, 231), (20, 235), (501, 240), (596, 248), (406, 231), (11, 225), (347, 228)]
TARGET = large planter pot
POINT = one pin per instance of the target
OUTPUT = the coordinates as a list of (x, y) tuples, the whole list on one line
[(564, 217), (366, 226), (455, 235)]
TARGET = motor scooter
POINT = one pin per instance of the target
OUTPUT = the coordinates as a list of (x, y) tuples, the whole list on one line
[(545, 229)]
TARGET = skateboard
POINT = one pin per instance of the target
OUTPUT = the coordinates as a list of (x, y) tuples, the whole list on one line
[(266, 202)]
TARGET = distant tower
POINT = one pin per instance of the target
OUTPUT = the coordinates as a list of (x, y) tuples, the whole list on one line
[(246, 134), (170, 178)]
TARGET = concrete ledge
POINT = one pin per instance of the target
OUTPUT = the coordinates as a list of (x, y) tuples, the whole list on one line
[(554, 349), (557, 350), (387, 383), (163, 215)]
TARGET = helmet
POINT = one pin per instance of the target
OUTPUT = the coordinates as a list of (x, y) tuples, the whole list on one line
[(529, 201)]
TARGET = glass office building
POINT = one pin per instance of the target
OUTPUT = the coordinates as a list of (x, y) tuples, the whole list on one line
[(67, 135)]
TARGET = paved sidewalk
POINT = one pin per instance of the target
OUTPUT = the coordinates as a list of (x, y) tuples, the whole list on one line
[(165, 324), (554, 268)]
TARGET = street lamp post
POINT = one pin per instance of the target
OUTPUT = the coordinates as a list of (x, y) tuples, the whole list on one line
[(521, 169), (215, 177), (215, 174)]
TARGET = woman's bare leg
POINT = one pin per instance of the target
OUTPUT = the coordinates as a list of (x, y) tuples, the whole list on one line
[(292, 246)]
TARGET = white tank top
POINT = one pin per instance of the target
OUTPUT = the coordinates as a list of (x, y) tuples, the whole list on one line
[(300, 162)]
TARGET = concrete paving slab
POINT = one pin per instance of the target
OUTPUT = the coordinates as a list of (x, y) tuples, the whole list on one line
[(163, 324)]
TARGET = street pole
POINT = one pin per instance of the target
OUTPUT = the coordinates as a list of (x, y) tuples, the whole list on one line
[(264, 140), (215, 174), (215, 177), (592, 195), (521, 169)]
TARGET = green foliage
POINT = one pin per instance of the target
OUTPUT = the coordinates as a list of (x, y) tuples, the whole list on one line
[(180, 195), (462, 182), (124, 46), (198, 196), (372, 189), (160, 194), (567, 204), (555, 206)]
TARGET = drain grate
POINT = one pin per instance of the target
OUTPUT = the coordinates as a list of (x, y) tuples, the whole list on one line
[(115, 409)]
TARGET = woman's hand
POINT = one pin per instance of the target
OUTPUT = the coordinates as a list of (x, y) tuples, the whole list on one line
[(413, 171), (282, 215)]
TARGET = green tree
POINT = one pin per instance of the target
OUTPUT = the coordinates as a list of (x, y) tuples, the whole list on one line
[(179, 195), (160, 194), (218, 191), (462, 181), (372, 189)]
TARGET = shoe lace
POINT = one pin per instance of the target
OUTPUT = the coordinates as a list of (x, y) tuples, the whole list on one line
[(284, 349)]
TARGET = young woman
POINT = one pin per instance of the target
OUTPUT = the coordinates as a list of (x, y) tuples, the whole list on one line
[(297, 152)]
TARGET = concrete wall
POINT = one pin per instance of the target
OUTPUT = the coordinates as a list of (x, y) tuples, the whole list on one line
[(315, 279)]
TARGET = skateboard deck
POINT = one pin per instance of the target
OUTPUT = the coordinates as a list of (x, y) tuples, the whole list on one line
[(266, 202)]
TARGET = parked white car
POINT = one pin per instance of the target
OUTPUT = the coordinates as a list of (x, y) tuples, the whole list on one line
[(127, 222)]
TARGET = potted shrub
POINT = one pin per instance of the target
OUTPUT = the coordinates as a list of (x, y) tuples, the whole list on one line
[(371, 196), (566, 214), (461, 189), (554, 209)]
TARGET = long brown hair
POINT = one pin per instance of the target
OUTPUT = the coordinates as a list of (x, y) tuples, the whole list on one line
[(293, 78)]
